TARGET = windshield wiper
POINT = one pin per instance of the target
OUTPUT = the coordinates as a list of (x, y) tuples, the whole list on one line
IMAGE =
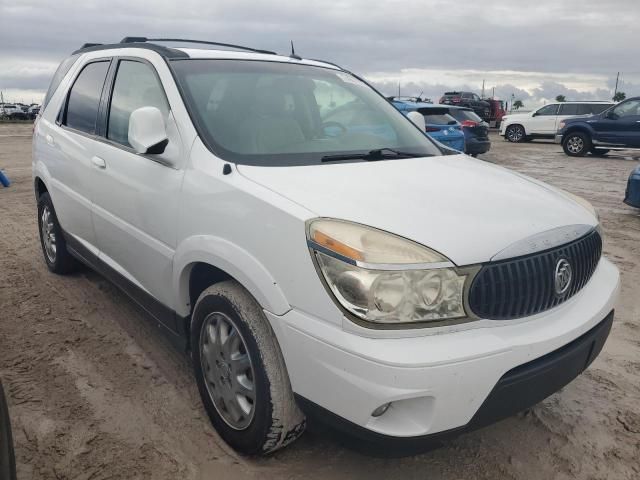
[(377, 154)]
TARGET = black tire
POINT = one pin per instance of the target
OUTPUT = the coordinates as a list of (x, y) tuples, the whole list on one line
[(275, 419), (576, 144), (7, 456), (60, 261), (599, 152), (515, 134)]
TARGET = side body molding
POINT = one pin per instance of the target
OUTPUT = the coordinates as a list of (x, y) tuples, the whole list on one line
[(235, 261)]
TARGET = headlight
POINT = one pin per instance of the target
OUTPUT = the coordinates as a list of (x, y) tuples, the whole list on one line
[(385, 279)]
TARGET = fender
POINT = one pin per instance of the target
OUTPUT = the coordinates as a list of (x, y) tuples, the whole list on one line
[(235, 261)]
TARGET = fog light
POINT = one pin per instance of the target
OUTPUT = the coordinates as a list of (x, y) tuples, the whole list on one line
[(380, 410)]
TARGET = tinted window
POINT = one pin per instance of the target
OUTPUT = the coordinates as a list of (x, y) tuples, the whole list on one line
[(569, 109), (443, 119), (62, 70), (630, 108), (136, 86), (84, 98), (599, 107), (548, 110), (462, 115)]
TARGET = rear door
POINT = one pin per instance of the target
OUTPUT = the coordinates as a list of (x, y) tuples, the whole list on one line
[(543, 121), (70, 148), (136, 196)]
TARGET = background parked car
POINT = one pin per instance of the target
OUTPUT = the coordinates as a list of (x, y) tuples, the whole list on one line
[(617, 127), (33, 111), (13, 111), (476, 130), (440, 126), (468, 100), (496, 113), (7, 457), (543, 122), (632, 195)]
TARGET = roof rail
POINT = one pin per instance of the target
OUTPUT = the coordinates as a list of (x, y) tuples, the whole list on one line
[(202, 42), (164, 51)]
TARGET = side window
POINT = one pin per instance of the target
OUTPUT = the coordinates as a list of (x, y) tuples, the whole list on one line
[(84, 98), (630, 108), (548, 110), (585, 109), (599, 107), (136, 86), (569, 109)]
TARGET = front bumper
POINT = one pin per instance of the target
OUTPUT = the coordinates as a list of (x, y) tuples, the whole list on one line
[(558, 138), (439, 380), (518, 389)]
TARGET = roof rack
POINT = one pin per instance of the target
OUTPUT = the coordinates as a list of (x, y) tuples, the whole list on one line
[(164, 51), (201, 42)]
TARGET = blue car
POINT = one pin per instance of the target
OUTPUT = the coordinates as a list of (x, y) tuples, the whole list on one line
[(632, 196), (440, 126)]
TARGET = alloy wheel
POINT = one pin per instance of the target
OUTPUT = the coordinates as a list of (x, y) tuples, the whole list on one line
[(515, 134), (575, 144), (228, 372), (48, 234)]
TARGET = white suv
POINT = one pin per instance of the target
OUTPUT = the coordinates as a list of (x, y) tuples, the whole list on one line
[(544, 122), (351, 269)]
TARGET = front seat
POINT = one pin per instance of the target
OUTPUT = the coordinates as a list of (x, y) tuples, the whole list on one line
[(271, 128)]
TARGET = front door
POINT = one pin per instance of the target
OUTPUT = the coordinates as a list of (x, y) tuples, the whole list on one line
[(543, 121), (621, 125), (136, 196)]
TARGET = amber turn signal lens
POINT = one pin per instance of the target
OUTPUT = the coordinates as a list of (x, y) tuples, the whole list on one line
[(336, 246)]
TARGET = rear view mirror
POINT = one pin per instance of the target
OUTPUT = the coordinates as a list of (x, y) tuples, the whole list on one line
[(418, 119), (147, 131)]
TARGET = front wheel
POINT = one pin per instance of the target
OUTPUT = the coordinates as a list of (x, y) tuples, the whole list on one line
[(515, 134), (240, 371), (576, 144)]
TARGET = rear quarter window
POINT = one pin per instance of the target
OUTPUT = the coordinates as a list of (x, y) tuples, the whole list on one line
[(598, 107), (60, 73), (444, 119)]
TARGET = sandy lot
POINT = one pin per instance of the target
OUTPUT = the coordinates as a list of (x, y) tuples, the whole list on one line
[(95, 392)]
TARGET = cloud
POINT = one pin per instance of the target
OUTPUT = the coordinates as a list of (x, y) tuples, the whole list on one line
[(578, 44)]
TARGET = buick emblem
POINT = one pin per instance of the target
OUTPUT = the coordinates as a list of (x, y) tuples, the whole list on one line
[(563, 276)]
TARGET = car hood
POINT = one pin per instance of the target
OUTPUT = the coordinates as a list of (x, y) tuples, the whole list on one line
[(464, 208), (516, 116), (582, 118)]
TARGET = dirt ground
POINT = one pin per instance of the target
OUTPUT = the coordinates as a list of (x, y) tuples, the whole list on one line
[(96, 392)]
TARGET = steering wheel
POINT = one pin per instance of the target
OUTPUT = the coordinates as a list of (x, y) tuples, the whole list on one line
[(334, 125)]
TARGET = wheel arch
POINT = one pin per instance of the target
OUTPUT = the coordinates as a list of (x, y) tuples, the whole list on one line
[(202, 261), (577, 128), (39, 187), (516, 124)]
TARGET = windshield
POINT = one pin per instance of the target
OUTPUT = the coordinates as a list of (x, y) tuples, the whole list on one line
[(274, 114)]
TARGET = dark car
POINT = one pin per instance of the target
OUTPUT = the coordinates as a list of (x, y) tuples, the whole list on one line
[(476, 130), (468, 100), (7, 457), (632, 195), (616, 128)]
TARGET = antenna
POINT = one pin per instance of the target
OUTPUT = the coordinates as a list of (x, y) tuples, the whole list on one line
[(293, 53)]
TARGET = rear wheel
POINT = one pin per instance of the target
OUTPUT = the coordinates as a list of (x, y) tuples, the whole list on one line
[(54, 246), (576, 144), (240, 371), (515, 133)]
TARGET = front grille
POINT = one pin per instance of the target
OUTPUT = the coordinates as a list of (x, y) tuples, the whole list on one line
[(524, 286)]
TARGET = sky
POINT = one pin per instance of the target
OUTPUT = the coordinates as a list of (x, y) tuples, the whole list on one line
[(530, 51)]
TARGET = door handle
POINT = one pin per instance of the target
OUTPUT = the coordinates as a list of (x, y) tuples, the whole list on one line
[(99, 162), (49, 139)]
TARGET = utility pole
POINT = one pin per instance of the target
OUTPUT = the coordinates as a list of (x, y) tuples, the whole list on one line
[(616, 90), (398, 89), (482, 88)]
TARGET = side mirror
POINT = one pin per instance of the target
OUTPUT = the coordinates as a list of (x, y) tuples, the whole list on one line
[(611, 115), (418, 119), (147, 131)]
